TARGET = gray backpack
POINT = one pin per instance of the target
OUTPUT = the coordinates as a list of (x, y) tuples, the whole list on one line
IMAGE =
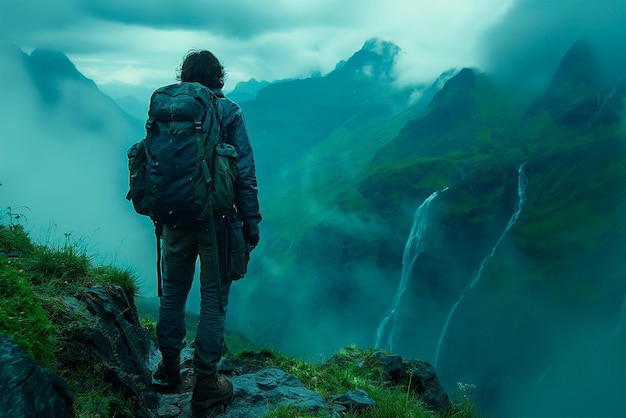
[(182, 170)]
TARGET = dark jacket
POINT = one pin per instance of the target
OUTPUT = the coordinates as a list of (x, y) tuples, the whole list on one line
[(246, 200)]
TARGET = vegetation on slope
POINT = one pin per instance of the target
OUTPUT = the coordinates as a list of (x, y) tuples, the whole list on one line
[(352, 368), (35, 278)]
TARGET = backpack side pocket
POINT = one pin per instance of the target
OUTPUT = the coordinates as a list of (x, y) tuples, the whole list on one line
[(239, 251)]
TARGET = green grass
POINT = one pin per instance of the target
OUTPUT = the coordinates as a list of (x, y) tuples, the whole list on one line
[(35, 279), (350, 369), (22, 316)]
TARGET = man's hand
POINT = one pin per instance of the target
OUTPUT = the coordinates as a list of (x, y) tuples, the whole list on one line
[(252, 240)]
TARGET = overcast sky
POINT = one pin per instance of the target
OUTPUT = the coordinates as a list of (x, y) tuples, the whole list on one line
[(141, 42), (128, 44)]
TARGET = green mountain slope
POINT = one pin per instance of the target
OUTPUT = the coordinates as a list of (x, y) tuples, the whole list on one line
[(312, 136), (560, 264)]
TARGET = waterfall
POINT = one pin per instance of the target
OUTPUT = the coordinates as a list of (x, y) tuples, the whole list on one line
[(522, 181), (414, 246)]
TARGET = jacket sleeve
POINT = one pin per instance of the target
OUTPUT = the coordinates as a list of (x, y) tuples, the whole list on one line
[(246, 193)]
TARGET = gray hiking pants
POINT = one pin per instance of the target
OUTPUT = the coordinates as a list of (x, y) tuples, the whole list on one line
[(181, 248)]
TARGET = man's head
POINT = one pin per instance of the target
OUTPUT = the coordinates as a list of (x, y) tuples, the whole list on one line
[(204, 68)]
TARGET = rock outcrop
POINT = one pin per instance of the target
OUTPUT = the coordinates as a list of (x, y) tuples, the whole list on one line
[(111, 340), (419, 376), (29, 389)]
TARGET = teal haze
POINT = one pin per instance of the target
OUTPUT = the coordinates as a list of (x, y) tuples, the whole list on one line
[(512, 279)]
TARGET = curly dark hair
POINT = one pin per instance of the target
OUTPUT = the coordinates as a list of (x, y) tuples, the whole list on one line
[(203, 67)]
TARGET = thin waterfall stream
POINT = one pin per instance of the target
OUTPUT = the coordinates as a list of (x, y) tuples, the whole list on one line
[(522, 182), (414, 246)]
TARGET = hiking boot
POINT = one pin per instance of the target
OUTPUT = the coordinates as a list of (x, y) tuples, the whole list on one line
[(167, 375), (210, 392)]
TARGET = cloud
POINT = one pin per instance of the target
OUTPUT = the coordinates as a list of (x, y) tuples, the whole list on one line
[(528, 43), (140, 43), (240, 19)]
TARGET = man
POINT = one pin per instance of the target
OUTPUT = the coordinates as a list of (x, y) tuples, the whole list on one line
[(184, 243)]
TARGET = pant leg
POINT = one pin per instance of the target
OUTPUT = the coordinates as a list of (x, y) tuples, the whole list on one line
[(210, 334), (179, 258)]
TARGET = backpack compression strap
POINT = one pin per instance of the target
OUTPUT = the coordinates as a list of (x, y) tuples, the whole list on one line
[(201, 151)]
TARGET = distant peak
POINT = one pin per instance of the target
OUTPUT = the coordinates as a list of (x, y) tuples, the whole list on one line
[(48, 69), (373, 61), (579, 63), (55, 61), (574, 93), (381, 47), (247, 90)]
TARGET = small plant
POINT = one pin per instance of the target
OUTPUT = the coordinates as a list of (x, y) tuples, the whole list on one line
[(13, 238), (14, 215), (463, 401)]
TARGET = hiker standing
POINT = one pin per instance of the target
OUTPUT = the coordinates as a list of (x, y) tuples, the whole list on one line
[(209, 240)]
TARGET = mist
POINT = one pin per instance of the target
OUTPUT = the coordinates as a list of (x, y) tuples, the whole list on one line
[(63, 169), (314, 303), (524, 48)]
